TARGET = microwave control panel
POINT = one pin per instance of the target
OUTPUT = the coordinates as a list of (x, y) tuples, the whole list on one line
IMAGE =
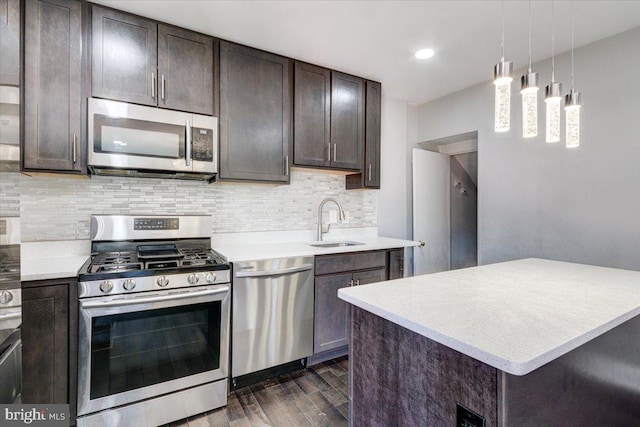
[(202, 145)]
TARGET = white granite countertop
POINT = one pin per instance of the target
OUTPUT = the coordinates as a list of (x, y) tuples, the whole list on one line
[(61, 259), (238, 251), (515, 316), (52, 260)]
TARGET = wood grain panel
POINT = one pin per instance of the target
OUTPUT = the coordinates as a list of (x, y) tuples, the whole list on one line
[(312, 115), (401, 378), (124, 54), (332, 316), (338, 263), (185, 60), (347, 121), (255, 114), (52, 85), (45, 340)]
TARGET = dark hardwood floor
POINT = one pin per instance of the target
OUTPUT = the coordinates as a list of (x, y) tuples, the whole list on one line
[(316, 396)]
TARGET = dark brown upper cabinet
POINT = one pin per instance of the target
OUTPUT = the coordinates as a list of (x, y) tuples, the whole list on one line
[(312, 115), (347, 121), (185, 69), (370, 175), (255, 114), (140, 61), (53, 86), (329, 118)]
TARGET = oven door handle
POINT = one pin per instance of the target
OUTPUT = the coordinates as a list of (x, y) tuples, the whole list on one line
[(154, 299)]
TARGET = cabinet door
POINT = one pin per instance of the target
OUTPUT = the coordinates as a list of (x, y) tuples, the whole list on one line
[(396, 264), (45, 343), (347, 121), (52, 85), (124, 57), (311, 112), (372, 134), (185, 70), (332, 315), (373, 276), (255, 114)]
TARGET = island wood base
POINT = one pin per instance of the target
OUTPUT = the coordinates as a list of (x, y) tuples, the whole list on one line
[(400, 378)]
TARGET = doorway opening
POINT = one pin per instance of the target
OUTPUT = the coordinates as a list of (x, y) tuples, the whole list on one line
[(445, 203)]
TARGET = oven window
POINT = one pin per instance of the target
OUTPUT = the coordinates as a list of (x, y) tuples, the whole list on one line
[(134, 350), (138, 137)]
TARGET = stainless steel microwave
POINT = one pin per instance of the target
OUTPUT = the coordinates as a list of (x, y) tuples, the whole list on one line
[(133, 140)]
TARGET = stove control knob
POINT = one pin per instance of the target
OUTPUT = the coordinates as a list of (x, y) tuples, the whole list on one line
[(129, 284), (210, 277), (106, 286), (162, 281), (5, 297), (193, 279)]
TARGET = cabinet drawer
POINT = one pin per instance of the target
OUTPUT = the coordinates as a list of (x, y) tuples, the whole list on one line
[(327, 264)]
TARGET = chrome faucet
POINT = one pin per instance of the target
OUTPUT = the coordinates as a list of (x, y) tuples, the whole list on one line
[(340, 212)]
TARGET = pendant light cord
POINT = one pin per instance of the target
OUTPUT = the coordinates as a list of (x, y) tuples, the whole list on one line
[(529, 35), (572, 45), (553, 47), (502, 44)]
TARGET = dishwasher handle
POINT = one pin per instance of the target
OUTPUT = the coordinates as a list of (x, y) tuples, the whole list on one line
[(264, 273)]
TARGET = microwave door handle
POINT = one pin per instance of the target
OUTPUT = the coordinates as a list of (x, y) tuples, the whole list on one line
[(187, 146)]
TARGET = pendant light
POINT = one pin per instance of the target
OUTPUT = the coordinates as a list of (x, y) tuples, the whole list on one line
[(553, 95), (572, 103), (529, 92), (502, 80)]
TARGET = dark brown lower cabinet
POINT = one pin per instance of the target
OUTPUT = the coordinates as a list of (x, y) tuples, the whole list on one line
[(332, 317), (48, 349)]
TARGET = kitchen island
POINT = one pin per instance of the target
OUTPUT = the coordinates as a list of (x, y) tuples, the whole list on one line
[(523, 343)]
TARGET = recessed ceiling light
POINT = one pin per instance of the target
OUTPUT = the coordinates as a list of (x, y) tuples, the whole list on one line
[(425, 53)]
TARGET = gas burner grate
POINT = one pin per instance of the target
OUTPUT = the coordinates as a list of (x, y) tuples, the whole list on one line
[(198, 256)]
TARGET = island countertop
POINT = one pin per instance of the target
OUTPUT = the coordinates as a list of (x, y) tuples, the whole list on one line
[(515, 316)]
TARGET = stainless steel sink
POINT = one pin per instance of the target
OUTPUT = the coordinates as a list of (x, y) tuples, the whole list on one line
[(334, 244)]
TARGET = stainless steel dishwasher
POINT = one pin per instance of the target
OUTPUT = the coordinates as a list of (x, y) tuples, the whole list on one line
[(272, 313)]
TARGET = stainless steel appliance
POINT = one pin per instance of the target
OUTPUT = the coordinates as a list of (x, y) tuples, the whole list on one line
[(154, 303), (133, 140), (272, 314), (10, 311)]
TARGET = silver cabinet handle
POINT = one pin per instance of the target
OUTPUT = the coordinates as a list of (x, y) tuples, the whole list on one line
[(74, 149), (286, 165), (329, 153), (335, 150), (358, 282), (162, 87), (153, 85), (351, 282), (369, 167), (187, 145)]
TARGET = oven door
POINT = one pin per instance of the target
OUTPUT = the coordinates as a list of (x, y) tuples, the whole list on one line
[(140, 346)]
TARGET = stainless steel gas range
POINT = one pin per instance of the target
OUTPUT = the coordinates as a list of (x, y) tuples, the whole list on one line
[(154, 303)]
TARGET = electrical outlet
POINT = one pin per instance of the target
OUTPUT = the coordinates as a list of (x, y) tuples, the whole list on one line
[(333, 216), (346, 217), (465, 417)]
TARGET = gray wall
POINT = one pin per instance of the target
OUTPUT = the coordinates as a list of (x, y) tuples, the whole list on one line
[(543, 200), (464, 212)]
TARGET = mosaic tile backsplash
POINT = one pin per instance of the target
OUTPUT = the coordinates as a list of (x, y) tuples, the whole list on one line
[(9, 193), (60, 208)]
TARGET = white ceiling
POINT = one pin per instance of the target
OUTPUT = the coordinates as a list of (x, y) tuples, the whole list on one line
[(377, 39)]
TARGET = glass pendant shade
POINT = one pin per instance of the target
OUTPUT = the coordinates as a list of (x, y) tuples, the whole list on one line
[(572, 114), (502, 81), (553, 101), (529, 94)]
